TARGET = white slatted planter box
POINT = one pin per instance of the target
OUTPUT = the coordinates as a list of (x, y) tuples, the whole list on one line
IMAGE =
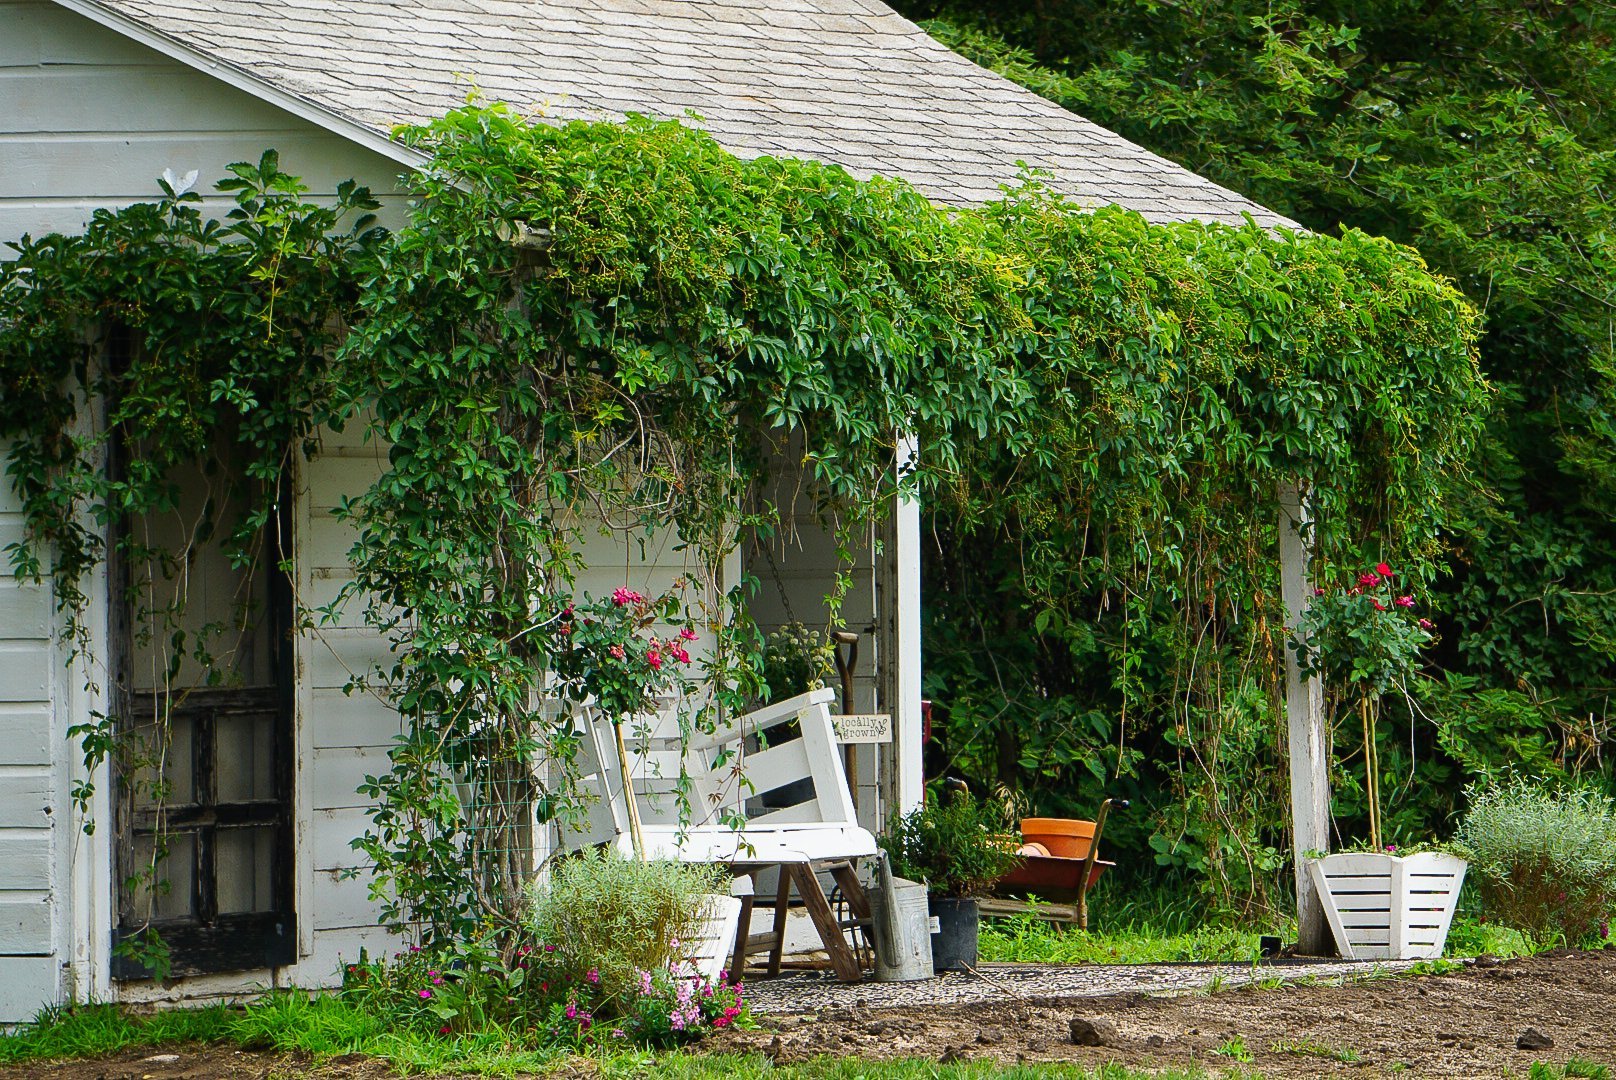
[(1389, 907)]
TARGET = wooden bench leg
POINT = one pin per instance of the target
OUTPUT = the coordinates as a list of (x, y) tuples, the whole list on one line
[(782, 908), (842, 960)]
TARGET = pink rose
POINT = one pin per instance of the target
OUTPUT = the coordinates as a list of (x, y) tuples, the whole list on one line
[(616, 651), (1405, 601), (654, 658)]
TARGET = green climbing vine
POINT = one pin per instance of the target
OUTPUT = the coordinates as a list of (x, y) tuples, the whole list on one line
[(621, 327)]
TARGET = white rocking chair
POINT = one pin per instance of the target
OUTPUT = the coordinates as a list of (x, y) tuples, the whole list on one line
[(745, 807)]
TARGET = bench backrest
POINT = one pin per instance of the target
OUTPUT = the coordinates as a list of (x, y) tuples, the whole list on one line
[(777, 766)]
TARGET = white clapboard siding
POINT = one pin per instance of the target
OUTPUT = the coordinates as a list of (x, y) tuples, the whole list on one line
[(89, 119), (29, 968)]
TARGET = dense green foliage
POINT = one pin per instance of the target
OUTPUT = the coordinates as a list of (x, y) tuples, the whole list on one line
[(1110, 403), (1480, 134)]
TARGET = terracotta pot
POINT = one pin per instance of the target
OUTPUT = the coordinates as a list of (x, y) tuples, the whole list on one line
[(1066, 838)]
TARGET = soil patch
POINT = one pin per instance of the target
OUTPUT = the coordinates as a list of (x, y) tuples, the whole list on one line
[(1464, 1024)]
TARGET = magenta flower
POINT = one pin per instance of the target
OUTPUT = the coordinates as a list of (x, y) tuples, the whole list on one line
[(616, 651), (1369, 579), (1405, 601), (425, 994), (593, 977), (623, 597), (688, 634), (680, 654), (1384, 571), (1427, 624), (654, 658)]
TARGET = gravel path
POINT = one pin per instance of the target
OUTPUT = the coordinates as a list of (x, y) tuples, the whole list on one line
[(1003, 983)]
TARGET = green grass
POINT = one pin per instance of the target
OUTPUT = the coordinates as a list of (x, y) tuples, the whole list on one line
[(326, 1027), (1313, 1048), (1575, 1068), (1234, 1048)]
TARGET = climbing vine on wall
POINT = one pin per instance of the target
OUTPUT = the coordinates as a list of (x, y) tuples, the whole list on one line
[(620, 326)]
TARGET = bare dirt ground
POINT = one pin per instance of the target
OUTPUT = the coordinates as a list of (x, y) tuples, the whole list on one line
[(1464, 1024)]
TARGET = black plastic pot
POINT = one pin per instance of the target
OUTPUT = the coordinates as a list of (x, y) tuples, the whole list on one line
[(953, 946)]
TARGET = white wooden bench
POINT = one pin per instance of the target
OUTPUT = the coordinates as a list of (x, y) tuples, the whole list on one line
[(757, 795)]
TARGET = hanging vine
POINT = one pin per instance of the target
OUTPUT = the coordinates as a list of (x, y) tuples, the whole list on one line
[(1115, 399)]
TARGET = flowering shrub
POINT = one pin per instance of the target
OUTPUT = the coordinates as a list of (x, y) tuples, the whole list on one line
[(674, 1005), (613, 657), (468, 988), (1364, 639), (1366, 634)]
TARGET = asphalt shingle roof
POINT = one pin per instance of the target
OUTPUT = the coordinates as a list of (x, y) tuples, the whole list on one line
[(844, 81)]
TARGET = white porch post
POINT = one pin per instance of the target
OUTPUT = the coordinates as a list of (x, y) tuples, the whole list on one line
[(907, 773), (1304, 709)]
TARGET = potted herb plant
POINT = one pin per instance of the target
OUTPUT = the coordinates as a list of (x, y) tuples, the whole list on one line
[(956, 846), (1382, 903)]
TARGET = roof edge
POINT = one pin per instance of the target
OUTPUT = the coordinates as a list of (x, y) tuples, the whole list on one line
[(318, 115)]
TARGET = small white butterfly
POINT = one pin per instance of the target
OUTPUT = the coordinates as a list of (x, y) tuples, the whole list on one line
[(182, 184)]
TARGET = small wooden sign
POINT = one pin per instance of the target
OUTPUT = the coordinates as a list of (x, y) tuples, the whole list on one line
[(862, 727)]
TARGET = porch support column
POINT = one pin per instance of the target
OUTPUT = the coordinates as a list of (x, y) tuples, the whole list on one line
[(1304, 710), (908, 776)]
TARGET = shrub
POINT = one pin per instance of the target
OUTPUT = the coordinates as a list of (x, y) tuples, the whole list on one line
[(957, 847), (603, 920), (1544, 858)]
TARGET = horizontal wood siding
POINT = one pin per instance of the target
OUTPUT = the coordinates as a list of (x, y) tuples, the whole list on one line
[(29, 807), (89, 119)]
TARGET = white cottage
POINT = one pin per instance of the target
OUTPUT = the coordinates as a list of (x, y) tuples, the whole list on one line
[(99, 97)]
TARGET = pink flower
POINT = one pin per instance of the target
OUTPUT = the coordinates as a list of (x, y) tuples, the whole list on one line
[(444, 1030), (722, 1021), (1427, 624), (680, 655), (1318, 592), (425, 994), (654, 658), (437, 980), (593, 977), (616, 651), (687, 634), (1369, 579), (1378, 605), (1405, 601), (623, 597), (572, 1010), (1383, 570)]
